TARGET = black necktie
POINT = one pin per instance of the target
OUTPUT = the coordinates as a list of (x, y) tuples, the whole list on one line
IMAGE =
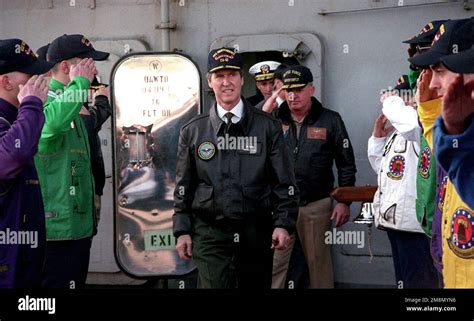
[(229, 116)]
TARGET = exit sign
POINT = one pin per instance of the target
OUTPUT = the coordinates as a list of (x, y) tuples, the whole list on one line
[(157, 240)]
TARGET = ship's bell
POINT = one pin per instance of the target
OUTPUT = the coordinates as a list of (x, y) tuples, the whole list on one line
[(366, 215)]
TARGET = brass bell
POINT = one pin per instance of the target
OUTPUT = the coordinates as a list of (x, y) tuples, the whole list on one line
[(366, 215)]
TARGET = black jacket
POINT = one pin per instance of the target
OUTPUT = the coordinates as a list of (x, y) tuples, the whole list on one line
[(233, 183), (99, 113), (323, 140)]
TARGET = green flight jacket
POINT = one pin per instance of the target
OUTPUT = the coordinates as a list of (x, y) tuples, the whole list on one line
[(426, 187), (63, 163), (413, 77)]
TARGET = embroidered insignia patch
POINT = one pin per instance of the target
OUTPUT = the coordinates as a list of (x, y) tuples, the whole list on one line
[(425, 162), (461, 240), (442, 193), (24, 48), (206, 151), (223, 55), (86, 41), (396, 167), (427, 28), (316, 133), (438, 34)]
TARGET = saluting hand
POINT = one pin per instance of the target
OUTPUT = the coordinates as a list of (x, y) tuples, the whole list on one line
[(379, 127), (184, 247), (458, 104), (423, 92), (271, 103), (36, 86), (85, 68), (104, 91), (387, 94)]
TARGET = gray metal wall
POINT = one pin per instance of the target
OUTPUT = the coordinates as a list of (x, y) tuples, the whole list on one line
[(361, 54)]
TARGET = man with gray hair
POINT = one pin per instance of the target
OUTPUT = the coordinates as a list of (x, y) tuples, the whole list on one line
[(317, 139)]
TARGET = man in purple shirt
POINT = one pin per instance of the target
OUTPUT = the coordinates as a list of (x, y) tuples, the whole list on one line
[(22, 220)]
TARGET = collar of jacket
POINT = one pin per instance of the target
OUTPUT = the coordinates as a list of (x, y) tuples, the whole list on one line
[(55, 85), (8, 111), (244, 122), (316, 109)]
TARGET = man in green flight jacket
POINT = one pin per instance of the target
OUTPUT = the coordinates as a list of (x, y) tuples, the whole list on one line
[(63, 163)]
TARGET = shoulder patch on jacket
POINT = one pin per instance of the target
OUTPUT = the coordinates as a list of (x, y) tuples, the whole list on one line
[(425, 162), (206, 150), (442, 193), (460, 240), (396, 168)]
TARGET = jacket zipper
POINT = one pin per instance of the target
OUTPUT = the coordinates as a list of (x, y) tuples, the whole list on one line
[(296, 139)]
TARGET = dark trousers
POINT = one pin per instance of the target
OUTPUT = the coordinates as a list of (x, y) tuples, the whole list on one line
[(412, 260), (67, 264), (231, 253), (21, 266)]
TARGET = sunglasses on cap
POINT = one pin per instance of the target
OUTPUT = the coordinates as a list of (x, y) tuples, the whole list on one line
[(421, 49)]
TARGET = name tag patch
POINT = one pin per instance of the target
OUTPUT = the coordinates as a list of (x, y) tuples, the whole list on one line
[(316, 133)]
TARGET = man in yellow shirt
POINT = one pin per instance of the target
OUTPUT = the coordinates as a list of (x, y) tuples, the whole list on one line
[(457, 223)]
